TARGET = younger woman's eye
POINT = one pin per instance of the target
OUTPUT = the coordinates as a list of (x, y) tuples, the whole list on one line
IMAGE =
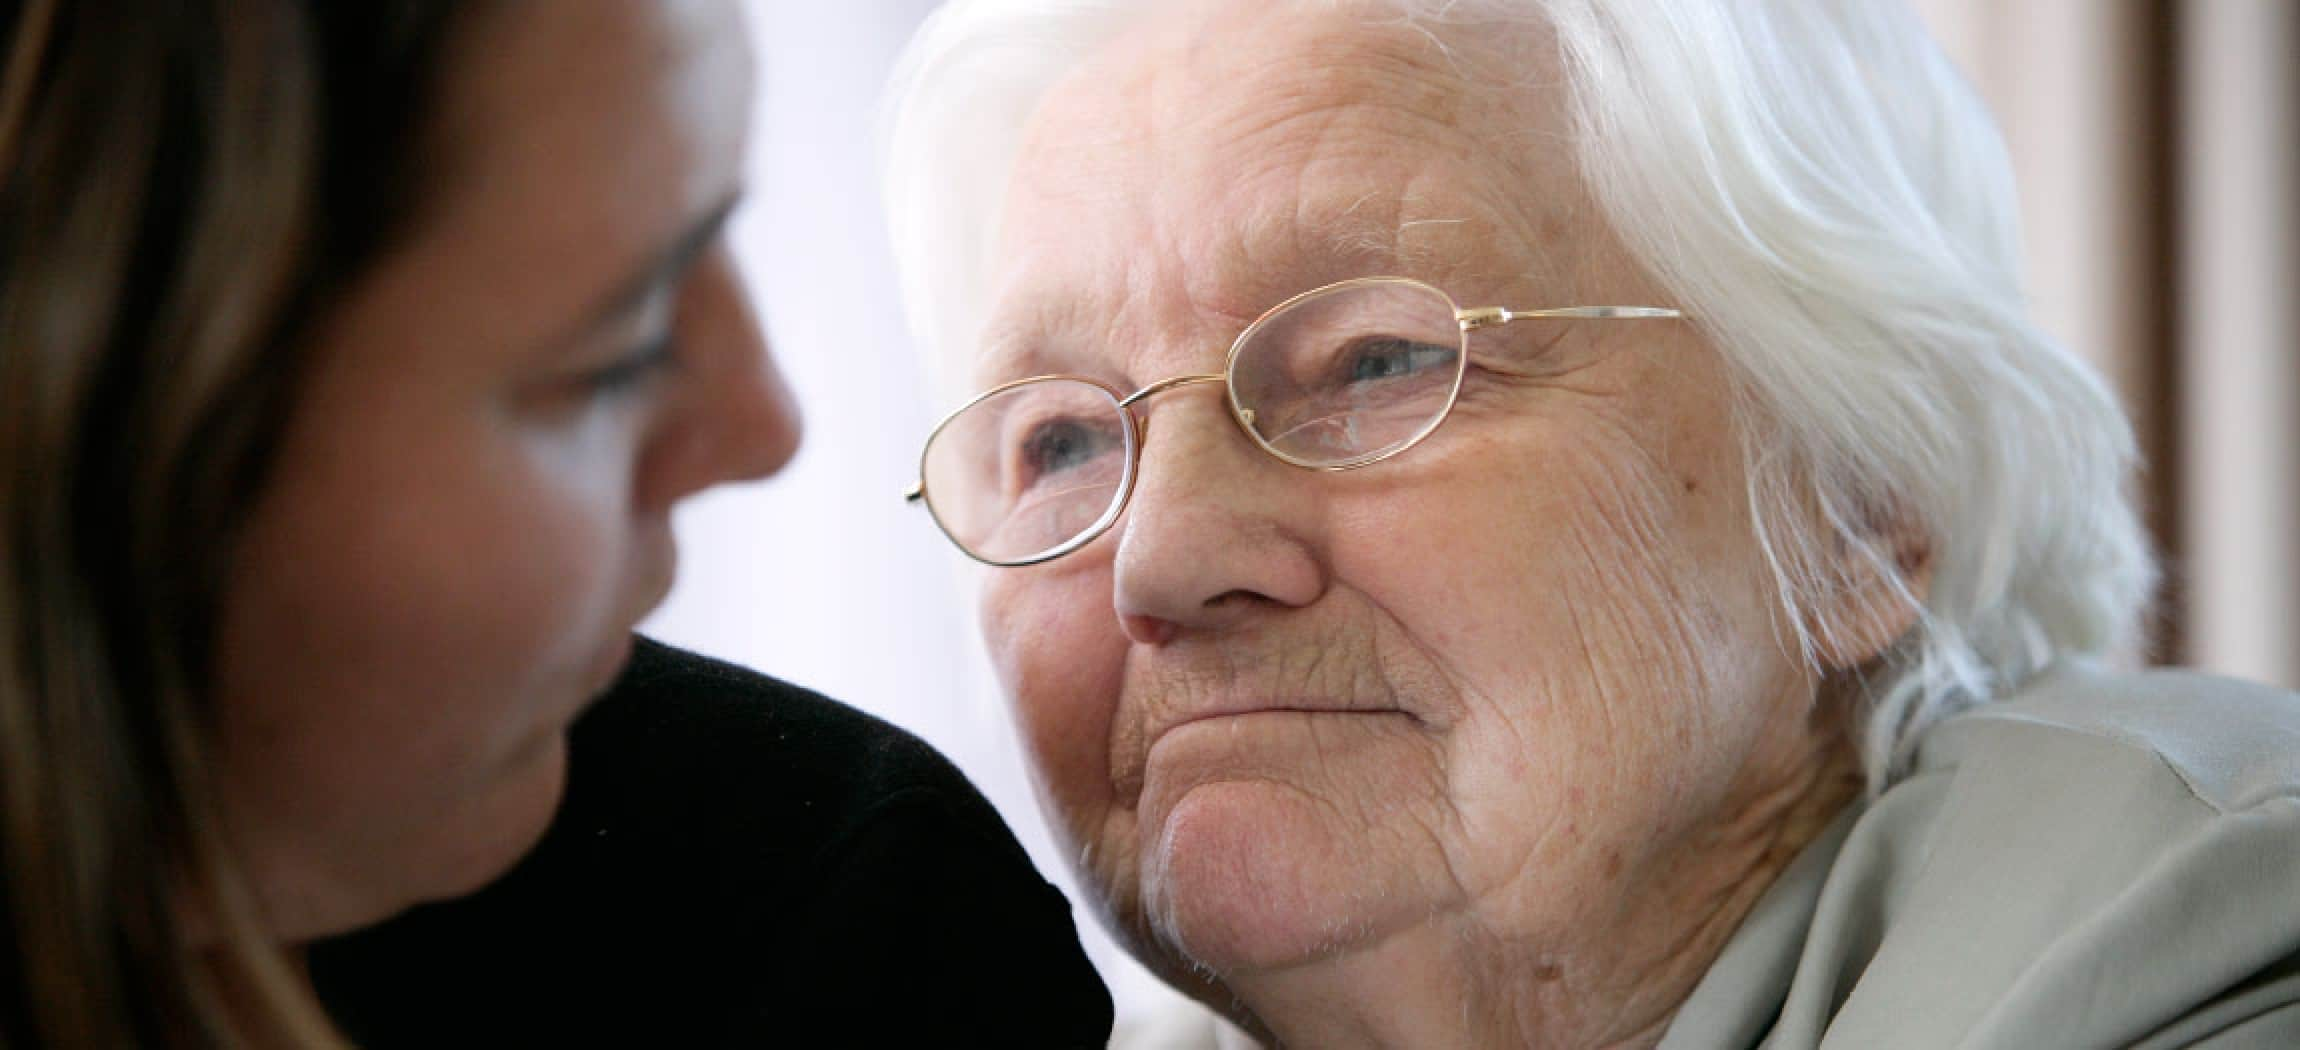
[(632, 370)]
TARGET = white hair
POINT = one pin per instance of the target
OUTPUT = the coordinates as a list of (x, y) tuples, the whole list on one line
[(1819, 188)]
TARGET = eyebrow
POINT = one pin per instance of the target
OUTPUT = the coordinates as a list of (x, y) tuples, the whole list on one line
[(663, 267)]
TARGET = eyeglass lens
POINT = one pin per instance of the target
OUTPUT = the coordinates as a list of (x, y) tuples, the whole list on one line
[(1349, 374), (1335, 378)]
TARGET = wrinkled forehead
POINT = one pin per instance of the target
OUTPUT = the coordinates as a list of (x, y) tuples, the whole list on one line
[(1230, 154)]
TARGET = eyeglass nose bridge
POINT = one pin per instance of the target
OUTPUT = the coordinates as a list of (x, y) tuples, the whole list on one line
[(1164, 385), (1245, 415), (917, 491)]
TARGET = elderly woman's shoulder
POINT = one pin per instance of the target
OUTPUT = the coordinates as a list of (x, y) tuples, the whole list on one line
[(2232, 744), (2100, 859)]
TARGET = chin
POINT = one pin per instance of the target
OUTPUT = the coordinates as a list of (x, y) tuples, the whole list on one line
[(508, 821), (1244, 877)]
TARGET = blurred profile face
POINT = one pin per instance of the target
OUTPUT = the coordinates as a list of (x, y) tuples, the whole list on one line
[(1475, 699), (471, 507)]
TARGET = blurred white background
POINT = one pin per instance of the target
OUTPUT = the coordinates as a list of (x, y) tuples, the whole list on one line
[(824, 577)]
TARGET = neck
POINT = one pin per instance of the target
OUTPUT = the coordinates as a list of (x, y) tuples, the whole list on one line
[(1615, 982), (270, 1004)]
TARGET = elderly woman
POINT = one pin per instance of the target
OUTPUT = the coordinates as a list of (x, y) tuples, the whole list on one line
[(1636, 574)]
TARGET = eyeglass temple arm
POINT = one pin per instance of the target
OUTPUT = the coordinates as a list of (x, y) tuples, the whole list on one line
[(1496, 316)]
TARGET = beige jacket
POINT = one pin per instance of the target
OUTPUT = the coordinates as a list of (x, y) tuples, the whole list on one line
[(2103, 860)]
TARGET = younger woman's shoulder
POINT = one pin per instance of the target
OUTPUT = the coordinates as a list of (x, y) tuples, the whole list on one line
[(680, 722), (739, 861)]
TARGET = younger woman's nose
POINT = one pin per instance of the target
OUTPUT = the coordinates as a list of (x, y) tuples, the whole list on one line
[(736, 419)]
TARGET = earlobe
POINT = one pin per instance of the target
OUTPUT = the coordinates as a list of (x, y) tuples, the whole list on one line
[(1878, 583)]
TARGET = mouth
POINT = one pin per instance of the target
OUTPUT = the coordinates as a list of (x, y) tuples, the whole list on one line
[(1241, 714), (1236, 731), (1271, 701), (663, 572), (1204, 717), (608, 665), (615, 651)]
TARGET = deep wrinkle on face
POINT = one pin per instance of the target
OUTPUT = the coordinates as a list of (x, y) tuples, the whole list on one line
[(1498, 721), (470, 508)]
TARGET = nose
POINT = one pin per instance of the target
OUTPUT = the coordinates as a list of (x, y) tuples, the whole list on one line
[(737, 420), (1216, 533)]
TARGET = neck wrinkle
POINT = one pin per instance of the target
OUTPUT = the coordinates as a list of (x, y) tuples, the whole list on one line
[(1799, 813), (1729, 867)]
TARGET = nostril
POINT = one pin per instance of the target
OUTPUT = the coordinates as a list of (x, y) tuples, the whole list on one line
[(1147, 630)]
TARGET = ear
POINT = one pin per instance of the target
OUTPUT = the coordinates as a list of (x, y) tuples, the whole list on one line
[(1880, 568)]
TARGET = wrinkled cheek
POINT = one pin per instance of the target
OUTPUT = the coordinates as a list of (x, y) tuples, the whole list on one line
[(1060, 658)]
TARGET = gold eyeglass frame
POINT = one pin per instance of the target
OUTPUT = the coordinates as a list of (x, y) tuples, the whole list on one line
[(1471, 319)]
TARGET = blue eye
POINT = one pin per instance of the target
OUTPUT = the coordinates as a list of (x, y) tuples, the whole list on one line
[(1061, 445), (1378, 359)]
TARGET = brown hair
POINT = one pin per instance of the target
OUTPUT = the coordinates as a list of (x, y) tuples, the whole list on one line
[(183, 184)]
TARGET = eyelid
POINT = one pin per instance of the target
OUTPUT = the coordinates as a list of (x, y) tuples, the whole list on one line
[(660, 278), (671, 267), (647, 361), (640, 330)]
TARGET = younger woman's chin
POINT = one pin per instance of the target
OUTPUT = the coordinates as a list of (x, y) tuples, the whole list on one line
[(500, 828), (460, 849)]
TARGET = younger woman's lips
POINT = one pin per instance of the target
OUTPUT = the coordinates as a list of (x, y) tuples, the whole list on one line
[(656, 579), (608, 665)]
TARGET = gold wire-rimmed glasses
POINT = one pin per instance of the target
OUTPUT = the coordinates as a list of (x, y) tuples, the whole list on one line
[(1335, 378)]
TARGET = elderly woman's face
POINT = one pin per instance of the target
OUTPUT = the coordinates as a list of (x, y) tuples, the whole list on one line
[(1474, 698)]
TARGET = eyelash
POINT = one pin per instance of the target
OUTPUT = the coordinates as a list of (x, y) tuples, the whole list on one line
[(634, 369)]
